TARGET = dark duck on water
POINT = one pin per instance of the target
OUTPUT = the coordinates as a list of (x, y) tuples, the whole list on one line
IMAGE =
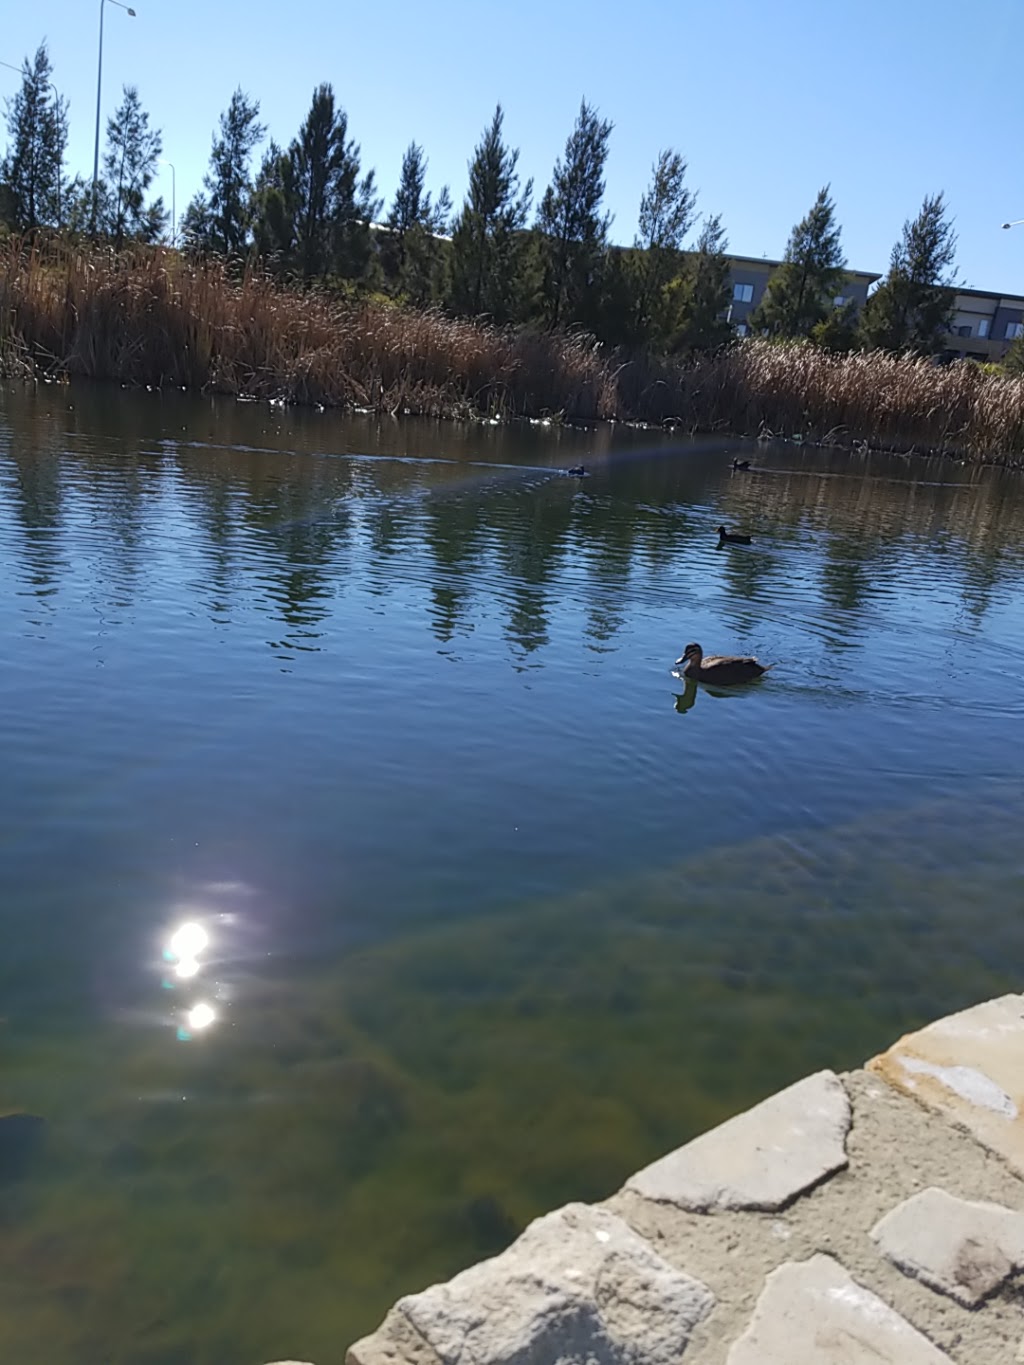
[(731, 537), (725, 669)]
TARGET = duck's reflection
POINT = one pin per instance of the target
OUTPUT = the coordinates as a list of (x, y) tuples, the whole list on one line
[(685, 700)]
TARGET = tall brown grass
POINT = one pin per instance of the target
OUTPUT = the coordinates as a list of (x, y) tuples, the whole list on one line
[(148, 317)]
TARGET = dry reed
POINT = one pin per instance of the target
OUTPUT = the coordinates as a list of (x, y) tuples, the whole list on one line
[(148, 317)]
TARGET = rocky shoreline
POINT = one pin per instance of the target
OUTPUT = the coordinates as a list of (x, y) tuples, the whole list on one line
[(874, 1216)]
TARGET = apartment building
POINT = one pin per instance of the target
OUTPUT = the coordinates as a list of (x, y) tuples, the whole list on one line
[(985, 325), (749, 276)]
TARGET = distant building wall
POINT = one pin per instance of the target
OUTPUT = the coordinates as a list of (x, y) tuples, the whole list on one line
[(985, 325), (749, 276)]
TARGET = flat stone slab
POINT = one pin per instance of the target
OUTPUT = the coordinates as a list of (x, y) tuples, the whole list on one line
[(760, 1159), (969, 1067), (963, 1249), (579, 1287), (813, 1313)]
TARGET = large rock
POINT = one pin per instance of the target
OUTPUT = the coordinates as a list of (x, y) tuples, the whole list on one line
[(760, 1159), (579, 1287), (969, 1067), (962, 1248), (813, 1313)]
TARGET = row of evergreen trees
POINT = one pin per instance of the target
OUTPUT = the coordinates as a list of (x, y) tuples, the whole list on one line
[(911, 310), (311, 211), (36, 193)]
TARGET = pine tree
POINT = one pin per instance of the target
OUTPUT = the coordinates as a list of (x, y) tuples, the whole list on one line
[(223, 215), (195, 229), (703, 294), (32, 171), (666, 216), (574, 229), (273, 207), (332, 208), (411, 250), (130, 162), (319, 159), (912, 308), (488, 248), (411, 203), (801, 290), (76, 205), (839, 331)]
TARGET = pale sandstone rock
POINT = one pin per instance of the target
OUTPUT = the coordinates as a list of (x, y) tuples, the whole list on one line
[(396, 1342), (578, 1286), (970, 1067), (813, 1313), (760, 1159), (962, 1248)]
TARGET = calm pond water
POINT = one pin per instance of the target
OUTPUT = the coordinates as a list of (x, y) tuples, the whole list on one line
[(496, 911)]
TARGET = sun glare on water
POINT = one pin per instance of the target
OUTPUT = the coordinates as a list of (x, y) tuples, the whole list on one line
[(201, 1016), (183, 949), (188, 941)]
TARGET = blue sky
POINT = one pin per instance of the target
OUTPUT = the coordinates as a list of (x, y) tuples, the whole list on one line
[(886, 99)]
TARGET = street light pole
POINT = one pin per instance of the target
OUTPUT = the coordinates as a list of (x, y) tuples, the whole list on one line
[(99, 84), (1017, 222)]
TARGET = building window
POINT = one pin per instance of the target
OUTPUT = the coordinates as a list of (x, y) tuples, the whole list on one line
[(742, 293), (841, 300), (983, 327), (964, 331), (1014, 331), (741, 329)]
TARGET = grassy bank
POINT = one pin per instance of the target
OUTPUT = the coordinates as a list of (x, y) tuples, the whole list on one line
[(150, 318)]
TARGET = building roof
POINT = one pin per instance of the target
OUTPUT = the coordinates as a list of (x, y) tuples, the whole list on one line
[(770, 264), (964, 293)]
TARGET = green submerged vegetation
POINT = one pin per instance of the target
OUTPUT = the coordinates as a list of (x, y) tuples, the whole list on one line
[(378, 1122), (290, 281)]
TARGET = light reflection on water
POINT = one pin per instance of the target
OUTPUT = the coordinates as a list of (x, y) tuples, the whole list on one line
[(495, 909), (183, 951), (200, 1016)]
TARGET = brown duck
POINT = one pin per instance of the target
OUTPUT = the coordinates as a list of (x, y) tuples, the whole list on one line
[(725, 669)]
